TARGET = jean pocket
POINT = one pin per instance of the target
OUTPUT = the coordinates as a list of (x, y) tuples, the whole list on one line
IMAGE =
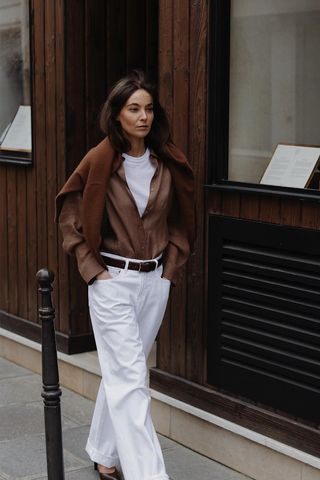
[(114, 272)]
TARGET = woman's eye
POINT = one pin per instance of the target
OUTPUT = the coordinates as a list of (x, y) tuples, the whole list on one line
[(133, 109)]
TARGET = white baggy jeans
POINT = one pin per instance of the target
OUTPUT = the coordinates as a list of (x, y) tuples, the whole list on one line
[(126, 312)]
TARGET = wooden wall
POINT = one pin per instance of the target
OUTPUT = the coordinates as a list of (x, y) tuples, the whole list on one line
[(79, 48), (182, 82), (28, 234)]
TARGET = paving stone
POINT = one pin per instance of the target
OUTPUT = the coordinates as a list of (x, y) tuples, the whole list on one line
[(25, 458), (76, 408), (8, 370), (21, 420), (20, 389), (194, 465), (77, 474), (83, 474), (22, 443), (74, 440)]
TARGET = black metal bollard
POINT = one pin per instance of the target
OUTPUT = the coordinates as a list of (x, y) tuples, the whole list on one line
[(50, 377)]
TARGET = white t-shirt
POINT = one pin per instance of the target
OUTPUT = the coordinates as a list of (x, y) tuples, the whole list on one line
[(139, 172)]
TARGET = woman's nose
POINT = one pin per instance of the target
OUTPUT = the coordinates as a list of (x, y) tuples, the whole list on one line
[(143, 114)]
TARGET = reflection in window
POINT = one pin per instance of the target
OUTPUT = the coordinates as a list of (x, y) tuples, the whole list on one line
[(274, 81), (14, 59)]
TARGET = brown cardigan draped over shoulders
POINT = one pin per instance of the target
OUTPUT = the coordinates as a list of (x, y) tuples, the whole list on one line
[(91, 178)]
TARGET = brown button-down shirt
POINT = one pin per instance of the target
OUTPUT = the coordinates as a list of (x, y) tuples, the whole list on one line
[(159, 230)]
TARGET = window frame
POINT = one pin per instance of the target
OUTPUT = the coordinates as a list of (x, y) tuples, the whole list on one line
[(24, 159), (218, 60)]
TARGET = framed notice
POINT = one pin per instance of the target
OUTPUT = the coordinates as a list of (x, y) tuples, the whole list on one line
[(292, 166), (16, 140)]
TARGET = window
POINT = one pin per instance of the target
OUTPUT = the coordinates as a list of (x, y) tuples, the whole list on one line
[(15, 137), (270, 76)]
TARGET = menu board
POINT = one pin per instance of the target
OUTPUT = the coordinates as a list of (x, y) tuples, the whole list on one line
[(18, 135), (291, 166)]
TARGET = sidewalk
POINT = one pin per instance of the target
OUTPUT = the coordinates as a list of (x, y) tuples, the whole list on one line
[(22, 443)]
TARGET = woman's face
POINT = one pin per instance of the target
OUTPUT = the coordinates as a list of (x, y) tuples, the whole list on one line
[(136, 116)]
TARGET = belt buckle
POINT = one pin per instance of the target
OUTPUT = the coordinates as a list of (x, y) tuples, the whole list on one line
[(151, 262), (145, 264)]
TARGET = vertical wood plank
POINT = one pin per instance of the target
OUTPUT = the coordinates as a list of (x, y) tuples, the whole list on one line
[(116, 40), (181, 135), (197, 155), (290, 212), (62, 267), (214, 202), (249, 207), (4, 290), (51, 140), (166, 97), (231, 204), (136, 46), (95, 65), (12, 239), (75, 84), (310, 215), (37, 82), (22, 243), (39, 116), (166, 56), (76, 145), (32, 247), (152, 33), (181, 74), (270, 210)]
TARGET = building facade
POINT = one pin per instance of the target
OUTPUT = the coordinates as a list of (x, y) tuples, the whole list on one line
[(241, 336)]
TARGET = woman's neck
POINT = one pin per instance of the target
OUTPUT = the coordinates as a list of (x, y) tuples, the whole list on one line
[(137, 148)]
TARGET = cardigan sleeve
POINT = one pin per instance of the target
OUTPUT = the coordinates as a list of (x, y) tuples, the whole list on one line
[(74, 242), (178, 249)]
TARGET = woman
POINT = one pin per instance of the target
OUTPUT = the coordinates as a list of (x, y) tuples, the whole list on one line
[(127, 214)]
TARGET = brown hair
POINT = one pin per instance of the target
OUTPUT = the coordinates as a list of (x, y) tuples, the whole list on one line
[(159, 135)]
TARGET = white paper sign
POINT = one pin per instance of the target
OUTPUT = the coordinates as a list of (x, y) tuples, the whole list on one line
[(18, 136), (291, 166)]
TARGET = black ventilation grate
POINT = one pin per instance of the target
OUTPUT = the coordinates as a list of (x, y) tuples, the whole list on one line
[(264, 314)]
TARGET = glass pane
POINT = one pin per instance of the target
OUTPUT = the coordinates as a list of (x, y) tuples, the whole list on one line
[(14, 59), (274, 81)]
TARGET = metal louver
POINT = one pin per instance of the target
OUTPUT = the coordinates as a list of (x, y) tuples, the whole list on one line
[(264, 314)]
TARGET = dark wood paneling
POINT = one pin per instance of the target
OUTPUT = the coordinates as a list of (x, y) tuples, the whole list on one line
[(290, 212), (197, 148), (231, 204), (62, 270), (166, 96), (136, 40), (75, 57), (180, 130), (270, 210), (116, 40), (249, 209), (95, 66), (69, 344), (22, 244), (4, 290), (50, 169), (12, 238)]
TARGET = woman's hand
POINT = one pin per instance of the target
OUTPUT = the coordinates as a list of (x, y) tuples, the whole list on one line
[(103, 275)]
